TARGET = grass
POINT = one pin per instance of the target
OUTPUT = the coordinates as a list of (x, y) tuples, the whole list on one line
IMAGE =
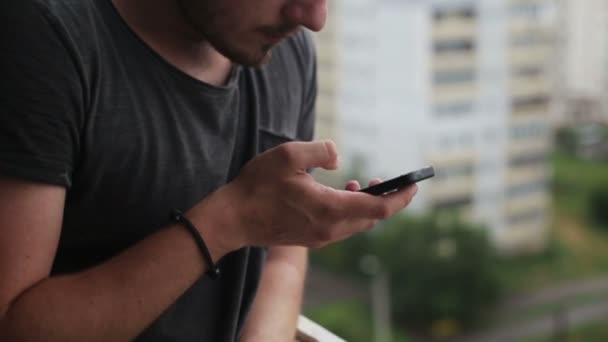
[(596, 332), (550, 308), (573, 181), (348, 319)]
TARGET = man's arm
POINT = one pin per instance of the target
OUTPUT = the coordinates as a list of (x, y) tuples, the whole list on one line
[(275, 312), (276, 308), (272, 202), (114, 301)]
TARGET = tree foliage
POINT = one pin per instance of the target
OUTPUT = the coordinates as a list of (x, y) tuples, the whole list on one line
[(440, 269), (598, 206)]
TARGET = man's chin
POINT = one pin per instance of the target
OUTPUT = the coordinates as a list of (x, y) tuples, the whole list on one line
[(252, 60), (266, 59), (248, 58)]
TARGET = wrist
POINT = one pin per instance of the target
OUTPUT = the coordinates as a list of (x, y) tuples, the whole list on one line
[(294, 257), (217, 225), (178, 217)]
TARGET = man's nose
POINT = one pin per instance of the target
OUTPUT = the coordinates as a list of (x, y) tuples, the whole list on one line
[(308, 13)]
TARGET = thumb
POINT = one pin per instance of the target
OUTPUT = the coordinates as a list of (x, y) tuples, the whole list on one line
[(308, 155)]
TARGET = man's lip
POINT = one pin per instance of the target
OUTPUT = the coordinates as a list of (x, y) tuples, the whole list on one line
[(275, 38)]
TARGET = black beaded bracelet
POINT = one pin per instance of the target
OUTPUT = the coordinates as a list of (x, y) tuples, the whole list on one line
[(178, 217)]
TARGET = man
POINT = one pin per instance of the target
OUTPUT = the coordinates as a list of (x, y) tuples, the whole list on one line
[(112, 113)]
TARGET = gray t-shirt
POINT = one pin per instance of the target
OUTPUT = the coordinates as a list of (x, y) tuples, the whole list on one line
[(86, 104)]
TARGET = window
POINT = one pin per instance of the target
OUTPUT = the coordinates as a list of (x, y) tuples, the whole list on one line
[(528, 71), (454, 108), (525, 189), (528, 160), (530, 11), (457, 45), (533, 215), (522, 103), (440, 14), (453, 76), (529, 131), (454, 171), (453, 203), (529, 40)]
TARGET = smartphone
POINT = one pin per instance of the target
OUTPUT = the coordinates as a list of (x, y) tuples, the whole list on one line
[(400, 182)]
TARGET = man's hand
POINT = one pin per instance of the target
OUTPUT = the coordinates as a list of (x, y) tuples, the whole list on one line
[(275, 311), (274, 201)]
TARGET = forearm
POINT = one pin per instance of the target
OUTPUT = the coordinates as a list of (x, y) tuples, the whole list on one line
[(114, 301), (276, 308)]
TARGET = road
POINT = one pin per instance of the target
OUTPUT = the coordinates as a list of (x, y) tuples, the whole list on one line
[(511, 324), (550, 322)]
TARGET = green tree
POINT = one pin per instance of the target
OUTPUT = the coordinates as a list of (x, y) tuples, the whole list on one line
[(441, 270), (350, 320), (566, 140), (598, 206)]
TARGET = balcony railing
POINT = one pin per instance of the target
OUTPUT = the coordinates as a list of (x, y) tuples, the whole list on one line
[(309, 331)]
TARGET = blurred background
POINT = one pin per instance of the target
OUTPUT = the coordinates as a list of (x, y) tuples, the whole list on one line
[(507, 100)]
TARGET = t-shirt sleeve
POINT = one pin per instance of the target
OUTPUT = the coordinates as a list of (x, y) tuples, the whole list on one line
[(41, 95)]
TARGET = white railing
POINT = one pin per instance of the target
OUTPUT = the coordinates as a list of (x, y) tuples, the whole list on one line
[(309, 331)]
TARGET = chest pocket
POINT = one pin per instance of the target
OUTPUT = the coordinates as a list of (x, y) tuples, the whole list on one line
[(269, 139), (275, 100), (278, 124)]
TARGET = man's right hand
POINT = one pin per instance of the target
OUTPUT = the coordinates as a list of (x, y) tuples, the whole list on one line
[(274, 201)]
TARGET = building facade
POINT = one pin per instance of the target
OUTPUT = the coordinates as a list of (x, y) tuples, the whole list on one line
[(460, 85)]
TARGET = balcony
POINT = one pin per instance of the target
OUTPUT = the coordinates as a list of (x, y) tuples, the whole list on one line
[(450, 93), (530, 87), (524, 56), (454, 60), (454, 29)]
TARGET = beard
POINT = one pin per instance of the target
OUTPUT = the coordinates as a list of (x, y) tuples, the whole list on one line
[(209, 19), (253, 57)]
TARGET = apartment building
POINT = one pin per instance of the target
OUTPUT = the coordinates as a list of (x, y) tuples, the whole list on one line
[(531, 40), (462, 85)]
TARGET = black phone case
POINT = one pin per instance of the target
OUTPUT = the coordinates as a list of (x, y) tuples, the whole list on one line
[(400, 182)]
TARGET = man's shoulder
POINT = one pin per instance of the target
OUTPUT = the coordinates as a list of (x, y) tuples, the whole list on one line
[(59, 9), (48, 19)]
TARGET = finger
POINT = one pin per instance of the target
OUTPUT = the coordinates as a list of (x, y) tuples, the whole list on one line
[(375, 181), (407, 192), (340, 205), (400, 199), (308, 155), (350, 228), (356, 205), (353, 185), (355, 227), (361, 205)]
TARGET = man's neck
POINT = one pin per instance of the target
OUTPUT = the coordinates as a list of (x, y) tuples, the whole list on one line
[(162, 25)]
